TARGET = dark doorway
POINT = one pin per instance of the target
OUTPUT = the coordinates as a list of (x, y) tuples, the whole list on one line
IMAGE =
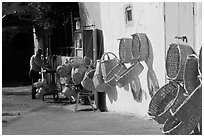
[(16, 58)]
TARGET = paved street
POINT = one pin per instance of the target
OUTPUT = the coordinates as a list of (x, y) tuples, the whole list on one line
[(23, 116)]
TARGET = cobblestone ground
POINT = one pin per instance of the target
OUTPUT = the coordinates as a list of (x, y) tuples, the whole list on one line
[(23, 116)]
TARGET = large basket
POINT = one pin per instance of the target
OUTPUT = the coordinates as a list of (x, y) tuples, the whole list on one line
[(87, 81), (175, 127), (172, 106), (127, 76), (162, 98), (116, 71), (98, 80), (191, 73), (125, 50), (108, 64), (140, 46), (175, 61), (189, 113), (78, 74)]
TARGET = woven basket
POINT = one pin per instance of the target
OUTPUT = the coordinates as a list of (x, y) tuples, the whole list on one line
[(162, 98), (175, 127), (108, 64), (87, 81), (140, 46), (125, 50), (98, 80), (175, 61), (200, 60), (68, 91), (116, 71), (127, 76), (191, 73), (76, 61), (64, 70), (150, 58), (78, 74), (172, 106), (87, 61)]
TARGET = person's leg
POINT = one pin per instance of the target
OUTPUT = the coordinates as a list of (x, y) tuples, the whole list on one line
[(34, 77)]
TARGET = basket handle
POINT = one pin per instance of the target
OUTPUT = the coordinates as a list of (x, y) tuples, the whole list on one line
[(107, 54)]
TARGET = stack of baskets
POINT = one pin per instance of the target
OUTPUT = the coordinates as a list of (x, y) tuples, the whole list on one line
[(172, 104)]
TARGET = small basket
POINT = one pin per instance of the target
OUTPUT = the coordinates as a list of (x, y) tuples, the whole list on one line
[(76, 61), (140, 46), (98, 80), (127, 76), (173, 106), (125, 50), (152, 82), (68, 91), (87, 61), (175, 61), (107, 65), (87, 81), (78, 74), (162, 98), (116, 71), (64, 70), (191, 73)]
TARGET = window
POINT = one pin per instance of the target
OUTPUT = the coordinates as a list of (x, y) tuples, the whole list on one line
[(128, 15)]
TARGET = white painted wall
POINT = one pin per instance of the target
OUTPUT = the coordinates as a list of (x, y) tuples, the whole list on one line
[(147, 18)]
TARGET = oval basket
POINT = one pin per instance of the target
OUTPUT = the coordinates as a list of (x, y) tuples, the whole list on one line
[(191, 73), (116, 71), (78, 74), (175, 61), (162, 98), (68, 91), (125, 50), (128, 75), (108, 64), (87, 81), (140, 46), (173, 106)]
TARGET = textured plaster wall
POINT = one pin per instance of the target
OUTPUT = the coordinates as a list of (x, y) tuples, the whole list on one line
[(147, 18)]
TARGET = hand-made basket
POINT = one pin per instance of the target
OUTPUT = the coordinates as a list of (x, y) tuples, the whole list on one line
[(140, 46), (87, 61), (116, 71), (172, 106), (87, 81), (189, 113), (108, 64), (152, 82), (78, 74), (175, 61), (127, 76), (176, 127), (64, 70), (98, 80), (77, 61), (191, 73), (68, 91), (162, 98), (125, 50)]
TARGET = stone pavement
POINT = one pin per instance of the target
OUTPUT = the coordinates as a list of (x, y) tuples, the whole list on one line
[(23, 116)]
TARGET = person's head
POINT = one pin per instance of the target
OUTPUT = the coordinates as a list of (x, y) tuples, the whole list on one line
[(38, 52)]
